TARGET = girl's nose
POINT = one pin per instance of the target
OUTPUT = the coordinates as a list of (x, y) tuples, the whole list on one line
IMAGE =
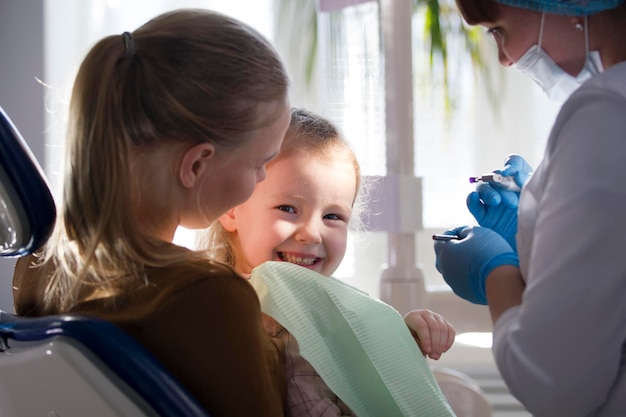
[(309, 232)]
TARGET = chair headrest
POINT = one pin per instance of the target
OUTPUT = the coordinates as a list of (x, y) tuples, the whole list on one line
[(27, 209)]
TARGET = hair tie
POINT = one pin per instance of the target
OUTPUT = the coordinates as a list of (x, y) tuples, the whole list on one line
[(129, 43)]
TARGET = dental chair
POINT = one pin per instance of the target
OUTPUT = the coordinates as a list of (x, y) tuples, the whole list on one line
[(67, 365)]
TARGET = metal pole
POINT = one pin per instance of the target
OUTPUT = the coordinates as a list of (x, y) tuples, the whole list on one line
[(402, 282)]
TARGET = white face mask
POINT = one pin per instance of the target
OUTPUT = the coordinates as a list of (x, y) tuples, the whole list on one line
[(556, 83)]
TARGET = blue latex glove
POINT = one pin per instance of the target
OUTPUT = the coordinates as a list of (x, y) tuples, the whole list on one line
[(495, 208), (465, 263)]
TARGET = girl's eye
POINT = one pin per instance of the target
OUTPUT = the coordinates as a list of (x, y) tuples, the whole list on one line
[(287, 209), (333, 217)]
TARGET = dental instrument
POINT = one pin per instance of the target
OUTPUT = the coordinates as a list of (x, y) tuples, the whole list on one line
[(498, 181), (445, 237)]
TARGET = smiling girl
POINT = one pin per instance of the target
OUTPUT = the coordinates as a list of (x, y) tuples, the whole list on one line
[(301, 214)]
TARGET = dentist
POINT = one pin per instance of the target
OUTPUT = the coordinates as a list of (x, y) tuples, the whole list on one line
[(556, 283)]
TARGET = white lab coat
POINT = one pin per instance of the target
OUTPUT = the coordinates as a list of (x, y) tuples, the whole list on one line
[(562, 351)]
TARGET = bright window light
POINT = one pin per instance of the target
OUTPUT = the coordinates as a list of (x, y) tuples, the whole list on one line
[(475, 339)]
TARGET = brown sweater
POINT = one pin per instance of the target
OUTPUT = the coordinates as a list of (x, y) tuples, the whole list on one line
[(202, 321)]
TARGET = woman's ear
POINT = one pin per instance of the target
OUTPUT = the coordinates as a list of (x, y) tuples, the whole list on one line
[(228, 221), (194, 162)]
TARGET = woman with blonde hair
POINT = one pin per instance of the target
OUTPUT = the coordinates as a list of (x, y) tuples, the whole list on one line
[(170, 125)]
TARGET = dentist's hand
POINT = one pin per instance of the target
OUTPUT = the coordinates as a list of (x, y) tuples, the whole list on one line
[(465, 263), (495, 208)]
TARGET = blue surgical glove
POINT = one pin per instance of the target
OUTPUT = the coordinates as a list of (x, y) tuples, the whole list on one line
[(465, 263), (495, 208)]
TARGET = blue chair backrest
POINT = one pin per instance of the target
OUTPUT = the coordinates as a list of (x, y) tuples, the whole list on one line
[(103, 353), (27, 209), (137, 369)]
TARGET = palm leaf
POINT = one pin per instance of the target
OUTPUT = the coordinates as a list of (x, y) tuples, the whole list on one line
[(296, 32)]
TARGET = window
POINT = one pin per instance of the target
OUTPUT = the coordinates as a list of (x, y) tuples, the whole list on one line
[(451, 144), (347, 85)]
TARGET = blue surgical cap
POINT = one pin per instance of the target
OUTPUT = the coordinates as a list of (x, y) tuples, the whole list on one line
[(564, 7)]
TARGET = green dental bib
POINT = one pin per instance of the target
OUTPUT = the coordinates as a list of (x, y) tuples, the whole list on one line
[(360, 346)]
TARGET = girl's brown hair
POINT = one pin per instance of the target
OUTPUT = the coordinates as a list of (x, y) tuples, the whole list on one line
[(187, 76)]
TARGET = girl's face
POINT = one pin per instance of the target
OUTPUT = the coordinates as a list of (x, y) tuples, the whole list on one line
[(299, 214)]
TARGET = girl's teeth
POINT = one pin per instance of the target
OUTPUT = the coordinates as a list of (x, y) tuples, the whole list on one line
[(299, 260)]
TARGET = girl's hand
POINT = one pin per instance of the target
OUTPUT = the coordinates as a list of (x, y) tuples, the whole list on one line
[(433, 334)]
